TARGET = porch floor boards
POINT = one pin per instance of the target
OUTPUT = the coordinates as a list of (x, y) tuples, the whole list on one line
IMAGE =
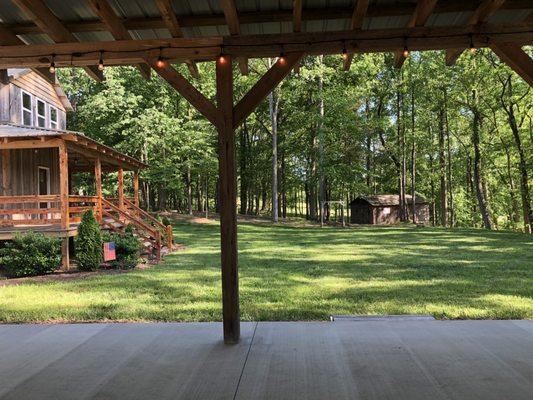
[(274, 360), (9, 232)]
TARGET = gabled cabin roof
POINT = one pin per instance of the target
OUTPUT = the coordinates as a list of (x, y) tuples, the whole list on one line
[(384, 200), (76, 140), (16, 73)]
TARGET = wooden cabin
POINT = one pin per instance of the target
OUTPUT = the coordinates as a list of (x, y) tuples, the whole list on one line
[(39, 158), (384, 209)]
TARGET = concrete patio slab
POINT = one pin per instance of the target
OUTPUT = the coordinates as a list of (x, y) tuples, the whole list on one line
[(274, 360)]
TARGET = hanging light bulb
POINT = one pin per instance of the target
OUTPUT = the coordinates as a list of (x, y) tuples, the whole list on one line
[(222, 56), (472, 47), (101, 62), (160, 63), (405, 51), (344, 52), (52, 68), (281, 59)]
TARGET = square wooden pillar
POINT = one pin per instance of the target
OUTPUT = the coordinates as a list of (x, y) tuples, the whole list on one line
[(136, 188), (228, 201), (121, 188), (64, 200), (98, 187)]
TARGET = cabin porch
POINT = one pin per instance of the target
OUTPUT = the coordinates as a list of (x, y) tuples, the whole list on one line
[(38, 166)]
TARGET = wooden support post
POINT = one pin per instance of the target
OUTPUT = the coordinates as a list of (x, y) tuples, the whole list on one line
[(136, 188), (228, 201), (170, 238), (98, 184), (6, 172), (64, 194), (121, 188)]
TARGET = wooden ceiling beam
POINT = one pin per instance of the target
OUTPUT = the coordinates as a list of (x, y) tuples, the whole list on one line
[(107, 15), (232, 20), (297, 23), (480, 15), (356, 23), (423, 10), (130, 52), (263, 87), (189, 92), (173, 26), (516, 58), (47, 21)]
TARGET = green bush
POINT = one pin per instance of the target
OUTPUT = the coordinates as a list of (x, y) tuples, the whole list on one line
[(88, 243), (31, 254), (127, 249), (166, 221)]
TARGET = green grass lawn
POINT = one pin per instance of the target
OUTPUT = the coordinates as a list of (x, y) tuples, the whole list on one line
[(304, 273)]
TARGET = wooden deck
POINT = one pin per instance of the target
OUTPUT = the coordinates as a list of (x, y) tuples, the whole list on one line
[(274, 360), (55, 230)]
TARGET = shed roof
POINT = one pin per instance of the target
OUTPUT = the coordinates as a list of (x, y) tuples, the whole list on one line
[(78, 139), (389, 200)]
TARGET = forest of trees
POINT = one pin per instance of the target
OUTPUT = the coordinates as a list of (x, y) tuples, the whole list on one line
[(462, 137)]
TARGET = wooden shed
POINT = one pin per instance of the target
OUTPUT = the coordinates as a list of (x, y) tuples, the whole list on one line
[(384, 209)]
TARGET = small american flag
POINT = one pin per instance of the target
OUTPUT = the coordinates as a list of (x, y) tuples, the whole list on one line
[(109, 251)]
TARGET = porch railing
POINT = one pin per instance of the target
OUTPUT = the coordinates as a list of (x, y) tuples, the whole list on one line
[(30, 210)]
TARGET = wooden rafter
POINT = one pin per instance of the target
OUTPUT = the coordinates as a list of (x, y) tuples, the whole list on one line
[(516, 58), (105, 12), (264, 86), (423, 10), (173, 26), (480, 15), (297, 23), (189, 92), (47, 21), (356, 23), (232, 20), (130, 52)]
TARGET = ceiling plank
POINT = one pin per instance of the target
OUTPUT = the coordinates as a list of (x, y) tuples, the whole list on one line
[(516, 58), (105, 12), (130, 52), (480, 15), (297, 23), (232, 20), (263, 87), (424, 8), (356, 23), (47, 21), (188, 91)]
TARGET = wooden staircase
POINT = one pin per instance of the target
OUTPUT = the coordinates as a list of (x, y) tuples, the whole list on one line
[(155, 237)]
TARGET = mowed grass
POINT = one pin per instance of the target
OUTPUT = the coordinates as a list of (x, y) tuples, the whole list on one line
[(303, 273)]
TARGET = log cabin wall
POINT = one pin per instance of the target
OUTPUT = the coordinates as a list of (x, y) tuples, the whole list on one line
[(23, 170), (39, 89)]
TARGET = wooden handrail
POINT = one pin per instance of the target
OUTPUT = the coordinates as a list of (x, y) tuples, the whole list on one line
[(128, 216), (29, 199), (82, 199), (164, 230)]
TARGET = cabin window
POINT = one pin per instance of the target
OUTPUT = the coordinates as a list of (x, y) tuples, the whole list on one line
[(41, 114), (386, 211), (53, 118), (27, 113)]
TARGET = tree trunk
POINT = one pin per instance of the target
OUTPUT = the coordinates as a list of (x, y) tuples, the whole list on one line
[(321, 175), (477, 166), (273, 104), (442, 172), (243, 144)]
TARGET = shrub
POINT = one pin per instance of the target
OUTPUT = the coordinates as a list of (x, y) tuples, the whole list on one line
[(88, 243), (31, 254), (127, 249), (166, 221)]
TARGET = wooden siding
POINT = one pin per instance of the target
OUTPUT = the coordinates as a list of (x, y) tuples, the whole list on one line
[(11, 99)]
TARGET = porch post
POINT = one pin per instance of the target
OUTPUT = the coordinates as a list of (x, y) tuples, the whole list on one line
[(228, 200), (121, 188), (64, 194), (136, 188), (6, 172), (98, 184)]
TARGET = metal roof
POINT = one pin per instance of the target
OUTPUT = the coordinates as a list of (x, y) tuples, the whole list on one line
[(14, 131), (388, 200), (73, 11)]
